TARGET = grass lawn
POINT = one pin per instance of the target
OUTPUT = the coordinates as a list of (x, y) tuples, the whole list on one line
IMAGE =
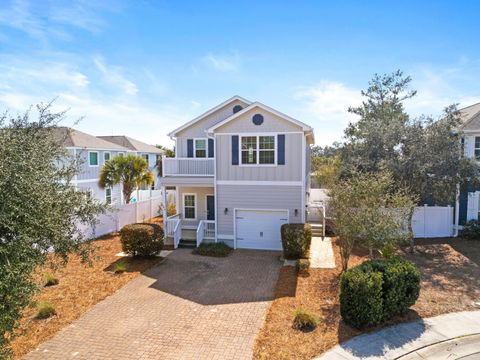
[(80, 287), (450, 282), (213, 249)]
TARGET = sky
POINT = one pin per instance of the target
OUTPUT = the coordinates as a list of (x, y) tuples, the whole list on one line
[(143, 68)]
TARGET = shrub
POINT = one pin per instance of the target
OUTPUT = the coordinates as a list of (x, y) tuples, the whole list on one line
[(305, 320), (171, 209), (219, 249), (142, 239), (303, 265), (296, 240), (378, 290), (45, 310), (50, 279), (120, 267), (361, 302), (471, 230)]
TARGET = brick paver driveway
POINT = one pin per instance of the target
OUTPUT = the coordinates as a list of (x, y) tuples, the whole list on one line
[(189, 307)]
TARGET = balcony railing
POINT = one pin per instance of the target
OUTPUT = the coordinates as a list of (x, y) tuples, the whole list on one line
[(187, 166)]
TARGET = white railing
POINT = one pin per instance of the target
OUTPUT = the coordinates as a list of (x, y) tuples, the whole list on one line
[(200, 232), (205, 230), (209, 229), (187, 166), (177, 234), (171, 224)]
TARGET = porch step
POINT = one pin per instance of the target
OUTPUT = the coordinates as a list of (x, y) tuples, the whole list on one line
[(187, 243)]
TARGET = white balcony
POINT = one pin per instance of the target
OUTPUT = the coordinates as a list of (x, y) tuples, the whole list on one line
[(188, 166)]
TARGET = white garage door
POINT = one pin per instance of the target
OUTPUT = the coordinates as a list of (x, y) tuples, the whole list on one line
[(260, 229)]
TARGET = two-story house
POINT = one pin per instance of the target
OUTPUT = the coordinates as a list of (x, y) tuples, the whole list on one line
[(469, 196), (93, 152), (241, 170)]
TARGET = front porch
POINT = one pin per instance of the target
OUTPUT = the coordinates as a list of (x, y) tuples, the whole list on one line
[(194, 221)]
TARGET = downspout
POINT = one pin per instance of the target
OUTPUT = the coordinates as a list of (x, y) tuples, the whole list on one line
[(457, 210)]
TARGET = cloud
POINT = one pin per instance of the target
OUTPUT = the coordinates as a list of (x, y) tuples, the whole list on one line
[(223, 63), (325, 106), (113, 76), (43, 20)]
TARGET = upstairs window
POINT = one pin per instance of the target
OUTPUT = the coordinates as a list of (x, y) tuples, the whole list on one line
[(145, 156), (106, 156), (200, 148), (477, 147), (258, 150), (93, 158)]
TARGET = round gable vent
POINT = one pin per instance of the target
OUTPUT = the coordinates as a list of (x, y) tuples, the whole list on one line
[(257, 119), (237, 108)]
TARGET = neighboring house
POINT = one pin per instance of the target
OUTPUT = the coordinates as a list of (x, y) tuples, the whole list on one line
[(93, 152), (469, 196), (241, 171), (150, 153)]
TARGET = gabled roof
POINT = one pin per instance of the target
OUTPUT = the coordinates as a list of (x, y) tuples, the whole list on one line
[(209, 112), (470, 116), (306, 128), (75, 138), (131, 144)]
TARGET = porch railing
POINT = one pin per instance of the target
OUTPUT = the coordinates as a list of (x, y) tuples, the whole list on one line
[(187, 166), (205, 230), (173, 229)]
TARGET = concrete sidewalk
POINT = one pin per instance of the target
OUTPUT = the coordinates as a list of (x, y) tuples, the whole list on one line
[(321, 253), (448, 336)]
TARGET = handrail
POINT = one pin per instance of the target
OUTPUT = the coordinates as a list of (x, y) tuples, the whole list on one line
[(200, 232), (209, 229), (188, 166), (177, 234)]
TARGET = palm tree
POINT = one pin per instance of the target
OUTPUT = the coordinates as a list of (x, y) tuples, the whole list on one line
[(131, 171)]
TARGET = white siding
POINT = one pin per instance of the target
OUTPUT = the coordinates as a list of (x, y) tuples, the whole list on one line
[(291, 171), (255, 197)]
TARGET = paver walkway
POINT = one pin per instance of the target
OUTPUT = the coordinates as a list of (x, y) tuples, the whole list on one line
[(321, 253), (449, 336), (189, 307)]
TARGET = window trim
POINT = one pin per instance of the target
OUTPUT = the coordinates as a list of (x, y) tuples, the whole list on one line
[(111, 196), (98, 159), (195, 148), (120, 153), (257, 164), (147, 159), (109, 154), (195, 206), (475, 148)]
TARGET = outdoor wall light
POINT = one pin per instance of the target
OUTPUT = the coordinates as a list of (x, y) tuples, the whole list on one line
[(296, 212), (225, 211)]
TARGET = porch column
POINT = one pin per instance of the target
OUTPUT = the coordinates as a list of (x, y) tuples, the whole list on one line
[(164, 203)]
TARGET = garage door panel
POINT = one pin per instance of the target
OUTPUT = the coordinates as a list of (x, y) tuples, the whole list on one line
[(257, 229)]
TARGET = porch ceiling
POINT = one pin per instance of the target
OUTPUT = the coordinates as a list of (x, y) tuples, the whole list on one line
[(187, 181)]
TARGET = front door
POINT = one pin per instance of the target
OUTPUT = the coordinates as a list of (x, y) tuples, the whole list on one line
[(210, 207)]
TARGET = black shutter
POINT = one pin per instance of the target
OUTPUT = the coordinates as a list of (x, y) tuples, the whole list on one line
[(281, 149), (235, 150), (210, 148), (190, 148)]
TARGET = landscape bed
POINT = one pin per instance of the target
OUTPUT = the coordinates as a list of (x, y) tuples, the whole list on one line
[(450, 282), (80, 287)]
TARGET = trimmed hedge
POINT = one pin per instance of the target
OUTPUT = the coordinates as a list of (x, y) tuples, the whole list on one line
[(378, 290), (296, 240), (142, 239)]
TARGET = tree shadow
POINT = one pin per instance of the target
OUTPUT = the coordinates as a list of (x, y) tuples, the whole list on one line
[(244, 276), (135, 264)]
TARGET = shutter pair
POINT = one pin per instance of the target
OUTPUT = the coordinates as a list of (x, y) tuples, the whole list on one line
[(190, 148), (280, 149)]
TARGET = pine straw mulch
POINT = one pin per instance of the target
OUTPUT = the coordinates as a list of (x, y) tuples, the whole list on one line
[(450, 282), (81, 286)]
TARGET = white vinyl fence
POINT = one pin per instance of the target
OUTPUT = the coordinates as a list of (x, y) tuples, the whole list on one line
[(125, 214), (433, 221)]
